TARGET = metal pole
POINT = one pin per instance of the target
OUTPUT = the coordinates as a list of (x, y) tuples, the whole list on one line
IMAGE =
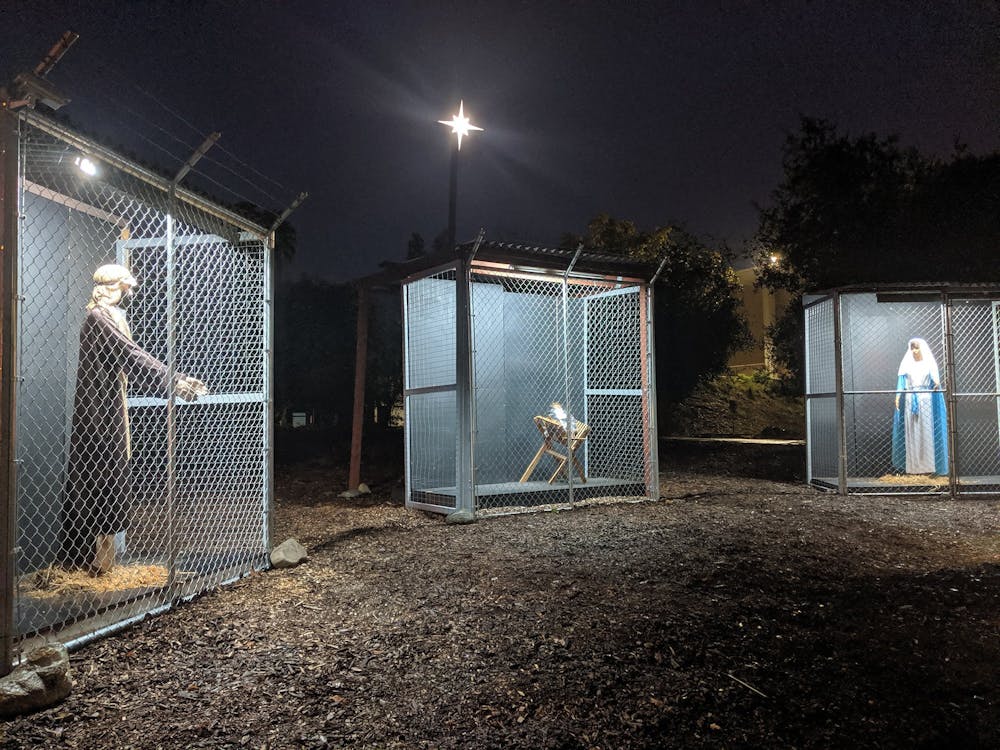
[(268, 394), (171, 426), (360, 366), (9, 219), (570, 432), (647, 365), (648, 333), (807, 375), (453, 198), (465, 496), (464, 500), (838, 356), (951, 400)]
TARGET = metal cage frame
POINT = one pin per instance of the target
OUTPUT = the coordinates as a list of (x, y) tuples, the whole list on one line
[(452, 324), (205, 467), (854, 337)]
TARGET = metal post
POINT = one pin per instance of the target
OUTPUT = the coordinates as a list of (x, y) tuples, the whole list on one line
[(839, 386), (464, 500), (171, 426), (951, 400), (453, 198), (9, 219), (465, 494), (648, 333), (360, 366), (268, 342), (570, 432), (807, 375), (647, 379)]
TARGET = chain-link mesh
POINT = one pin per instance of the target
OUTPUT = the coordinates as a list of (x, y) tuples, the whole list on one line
[(976, 344), (820, 377), (129, 497), (560, 402), (898, 403), (429, 391)]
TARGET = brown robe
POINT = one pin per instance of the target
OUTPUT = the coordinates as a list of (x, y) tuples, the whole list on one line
[(98, 481)]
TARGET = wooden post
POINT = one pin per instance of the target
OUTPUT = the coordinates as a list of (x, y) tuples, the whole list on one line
[(360, 367), (8, 315)]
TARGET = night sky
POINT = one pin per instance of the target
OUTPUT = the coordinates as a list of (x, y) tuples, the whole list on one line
[(655, 112)]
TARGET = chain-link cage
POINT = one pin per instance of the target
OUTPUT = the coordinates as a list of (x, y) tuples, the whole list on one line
[(142, 441), (560, 390), (975, 327), (915, 409)]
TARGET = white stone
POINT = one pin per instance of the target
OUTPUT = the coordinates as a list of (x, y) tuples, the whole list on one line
[(42, 681), (288, 554)]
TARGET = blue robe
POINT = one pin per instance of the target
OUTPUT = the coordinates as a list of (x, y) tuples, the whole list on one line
[(909, 400)]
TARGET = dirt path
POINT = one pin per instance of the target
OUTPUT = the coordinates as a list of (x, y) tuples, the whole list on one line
[(734, 612)]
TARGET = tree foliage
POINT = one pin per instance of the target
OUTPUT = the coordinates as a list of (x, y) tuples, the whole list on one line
[(698, 320), (853, 210)]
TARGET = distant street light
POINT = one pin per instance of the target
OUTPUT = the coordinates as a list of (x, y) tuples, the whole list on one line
[(460, 126)]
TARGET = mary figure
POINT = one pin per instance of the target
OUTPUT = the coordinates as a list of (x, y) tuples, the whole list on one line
[(919, 426)]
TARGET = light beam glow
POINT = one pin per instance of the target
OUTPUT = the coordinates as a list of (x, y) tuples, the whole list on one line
[(86, 165), (460, 124)]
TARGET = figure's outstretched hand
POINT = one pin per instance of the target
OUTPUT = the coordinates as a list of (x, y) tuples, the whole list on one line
[(190, 388)]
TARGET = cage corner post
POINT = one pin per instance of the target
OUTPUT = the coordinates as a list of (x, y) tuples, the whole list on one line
[(465, 501), (950, 398), (9, 219), (648, 333), (838, 366)]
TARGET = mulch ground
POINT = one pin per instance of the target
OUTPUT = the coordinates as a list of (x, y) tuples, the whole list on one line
[(742, 609)]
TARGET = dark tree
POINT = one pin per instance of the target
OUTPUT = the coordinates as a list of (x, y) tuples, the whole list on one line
[(698, 321), (864, 209), (415, 247)]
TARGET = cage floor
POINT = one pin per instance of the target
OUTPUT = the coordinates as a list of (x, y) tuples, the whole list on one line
[(54, 610), (880, 485), (533, 493)]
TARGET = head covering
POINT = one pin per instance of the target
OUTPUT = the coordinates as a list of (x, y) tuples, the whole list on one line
[(112, 273), (918, 370), (108, 280)]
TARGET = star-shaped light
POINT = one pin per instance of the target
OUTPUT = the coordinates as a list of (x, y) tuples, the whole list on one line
[(460, 124)]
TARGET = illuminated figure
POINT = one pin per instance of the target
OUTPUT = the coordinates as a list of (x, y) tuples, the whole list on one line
[(98, 483), (919, 426)]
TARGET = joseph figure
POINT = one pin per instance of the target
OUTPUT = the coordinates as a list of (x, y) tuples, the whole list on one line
[(97, 497)]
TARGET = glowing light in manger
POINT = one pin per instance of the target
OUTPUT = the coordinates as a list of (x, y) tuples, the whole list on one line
[(86, 166)]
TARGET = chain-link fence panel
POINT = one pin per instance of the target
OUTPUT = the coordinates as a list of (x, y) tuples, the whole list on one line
[(429, 389), (142, 441), (894, 367), (975, 328), (820, 380)]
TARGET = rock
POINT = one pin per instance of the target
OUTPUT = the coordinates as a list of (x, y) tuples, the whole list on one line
[(349, 494), (460, 516), (43, 680), (364, 489), (288, 554)]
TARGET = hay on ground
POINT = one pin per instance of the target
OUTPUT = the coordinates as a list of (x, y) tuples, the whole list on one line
[(56, 581)]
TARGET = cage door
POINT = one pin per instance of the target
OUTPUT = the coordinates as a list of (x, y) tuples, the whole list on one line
[(613, 396)]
